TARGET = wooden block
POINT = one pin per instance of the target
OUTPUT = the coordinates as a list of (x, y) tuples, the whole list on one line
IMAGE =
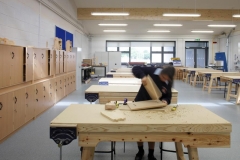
[(69, 46), (110, 106), (152, 89), (115, 115), (134, 106)]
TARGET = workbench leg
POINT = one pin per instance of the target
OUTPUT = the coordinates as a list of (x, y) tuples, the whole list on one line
[(210, 85), (88, 153), (229, 91), (193, 153), (238, 95), (204, 83), (179, 151)]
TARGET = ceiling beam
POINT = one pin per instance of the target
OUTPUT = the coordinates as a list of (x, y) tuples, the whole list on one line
[(156, 14)]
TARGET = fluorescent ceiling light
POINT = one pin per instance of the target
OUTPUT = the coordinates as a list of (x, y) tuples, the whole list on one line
[(202, 31), (114, 30), (109, 14), (221, 25), (202, 20), (181, 14), (236, 15), (112, 24), (158, 31), (168, 25)]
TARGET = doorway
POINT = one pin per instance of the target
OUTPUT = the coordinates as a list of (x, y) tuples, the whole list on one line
[(196, 54)]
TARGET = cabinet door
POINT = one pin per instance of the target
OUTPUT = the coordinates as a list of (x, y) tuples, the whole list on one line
[(6, 114), (52, 55), (52, 92), (73, 61), (7, 65), (57, 89), (44, 63), (65, 61), (57, 62), (30, 103), (39, 99), (19, 107), (37, 64), (61, 87), (17, 62), (29, 64), (46, 96), (61, 60), (74, 82)]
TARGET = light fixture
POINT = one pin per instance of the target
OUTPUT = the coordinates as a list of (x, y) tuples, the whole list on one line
[(110, 14), (221, 25), (114, 30), (160, 31), (112, 24), (167, 25), (236, 16), (202, 31), (181, 14)]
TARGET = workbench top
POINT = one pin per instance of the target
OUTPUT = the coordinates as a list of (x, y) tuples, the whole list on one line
[(122, 88), (187, 118), (231, 77), (120, 73), (121, 80)]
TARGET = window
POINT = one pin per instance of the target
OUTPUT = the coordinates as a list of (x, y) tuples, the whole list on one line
[(156, 58), (124, 49), (168, 49), (140, 54), (167, 57), (156, 49), (125, 57), (112, 49)]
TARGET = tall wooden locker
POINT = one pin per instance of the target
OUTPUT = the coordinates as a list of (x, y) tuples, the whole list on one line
[(6, 115), (39, 99), (52, 91), (19, 98), (57, 62), (46, 96), (74, 61), (6, 57), (37, 63), (29, 64), (44, 63), (65, 62), (61, 54), (17, 64), (52, 61), (30, 103)]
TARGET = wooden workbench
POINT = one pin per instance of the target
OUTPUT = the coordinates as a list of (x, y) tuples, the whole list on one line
[(190, 125), (232, 80), (190, 73), (106, 93), (122, 70), (120, 75), (213, 76), (119, 81)]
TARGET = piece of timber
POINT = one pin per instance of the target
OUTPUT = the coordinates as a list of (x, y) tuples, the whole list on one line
[(141, 105), (152, 89)]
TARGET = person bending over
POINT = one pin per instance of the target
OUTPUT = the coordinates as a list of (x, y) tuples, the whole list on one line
[(163, 78)]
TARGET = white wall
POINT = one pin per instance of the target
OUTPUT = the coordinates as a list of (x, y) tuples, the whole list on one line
[(98, 43), (30, 23)]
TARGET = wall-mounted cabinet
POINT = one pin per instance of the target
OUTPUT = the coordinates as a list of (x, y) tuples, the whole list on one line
[(28, 64)]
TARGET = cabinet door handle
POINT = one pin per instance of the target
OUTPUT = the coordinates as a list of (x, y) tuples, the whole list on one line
[(1, 105), (51, 94), (44, 88), (51, 56), (12, 55), (26, 95), (42, 55), (15, 100), (27, 55), (37, 100), (35, 55), (36, 91), (60, 81), (60, 87)]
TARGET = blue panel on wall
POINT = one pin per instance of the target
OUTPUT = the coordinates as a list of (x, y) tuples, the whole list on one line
[(69, 36), (60, 33)]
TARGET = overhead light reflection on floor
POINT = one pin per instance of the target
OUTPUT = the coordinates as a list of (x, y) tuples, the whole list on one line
[(66, 103), (204, 104)]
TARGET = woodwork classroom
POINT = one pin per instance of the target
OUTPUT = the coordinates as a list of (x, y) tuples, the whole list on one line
[(62, 61)]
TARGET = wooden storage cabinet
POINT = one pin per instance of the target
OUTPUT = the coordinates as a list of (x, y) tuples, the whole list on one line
[(39, 99), (19, 103), (57, 62), (65, 62), (40, 63), (30, 103), (11, 65), (28, 74), (46, 96), (52, 62), (52, 91), (6, 115), (61, 57)]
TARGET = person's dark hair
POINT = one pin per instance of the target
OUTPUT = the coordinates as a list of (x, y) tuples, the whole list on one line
[(170, 72), (170, 63)]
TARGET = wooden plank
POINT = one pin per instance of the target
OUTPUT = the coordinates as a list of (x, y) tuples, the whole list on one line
[(114, 115), (191, 140), (179, 151), (152, 89), (141, 105), (99, 88), (193, 153)]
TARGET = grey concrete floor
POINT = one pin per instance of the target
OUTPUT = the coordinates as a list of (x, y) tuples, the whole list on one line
[(32, 141)]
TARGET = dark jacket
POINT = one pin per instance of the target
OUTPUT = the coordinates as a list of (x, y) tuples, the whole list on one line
[(142, 95)]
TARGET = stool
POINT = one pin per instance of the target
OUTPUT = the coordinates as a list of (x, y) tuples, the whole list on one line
[(165, 150)]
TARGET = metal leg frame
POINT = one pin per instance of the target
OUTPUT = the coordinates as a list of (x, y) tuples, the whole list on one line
[(165, 150)]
